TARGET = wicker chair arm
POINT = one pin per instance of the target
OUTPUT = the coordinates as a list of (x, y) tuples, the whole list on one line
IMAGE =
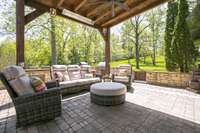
[(52, 84), (28, 98), (130, 77), (113, 76)]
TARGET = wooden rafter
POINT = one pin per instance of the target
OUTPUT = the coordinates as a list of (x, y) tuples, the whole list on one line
[(108, 13), (94, 11), (60, 3), (80, 5), (146, 5), (37, 5)]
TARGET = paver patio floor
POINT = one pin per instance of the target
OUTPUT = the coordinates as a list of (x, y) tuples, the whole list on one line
[(149, 109)]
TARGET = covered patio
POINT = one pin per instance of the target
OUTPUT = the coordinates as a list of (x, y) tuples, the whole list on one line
[(150, 109), (93, 13)]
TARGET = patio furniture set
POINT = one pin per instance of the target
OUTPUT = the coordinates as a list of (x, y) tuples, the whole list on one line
[(37, 101)]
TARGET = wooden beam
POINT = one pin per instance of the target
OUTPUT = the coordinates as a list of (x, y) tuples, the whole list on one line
[(105, 32), (109, 13), (59, 12), (80, 5), (93, 11), (33, 15), (146, 5), (20, 24), (36, 5)]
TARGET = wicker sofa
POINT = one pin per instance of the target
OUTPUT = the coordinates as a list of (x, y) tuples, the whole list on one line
[(76, 78), (123, 74), (36, 107)]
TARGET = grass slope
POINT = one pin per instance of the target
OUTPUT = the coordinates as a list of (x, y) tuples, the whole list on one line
[(160, 64)]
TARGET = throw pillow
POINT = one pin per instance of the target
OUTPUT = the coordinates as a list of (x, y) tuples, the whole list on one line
[(58, 76), (13, 72), (38, 84), (65, 76), (22, 85)]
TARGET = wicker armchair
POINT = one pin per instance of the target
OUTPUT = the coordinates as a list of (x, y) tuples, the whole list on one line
[(123, 74), (32, 108)]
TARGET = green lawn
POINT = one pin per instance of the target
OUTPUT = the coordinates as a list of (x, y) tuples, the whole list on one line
[(160, 64)]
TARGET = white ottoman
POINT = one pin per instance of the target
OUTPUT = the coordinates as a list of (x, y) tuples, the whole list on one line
[(108, 93)]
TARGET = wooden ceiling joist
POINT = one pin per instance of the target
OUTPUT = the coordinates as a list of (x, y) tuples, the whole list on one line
[(144, 6), (39, 6), (60, 3), (100, 14), (80, 5), (94, 11)]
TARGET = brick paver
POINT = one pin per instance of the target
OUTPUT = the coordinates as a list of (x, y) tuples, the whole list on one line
[(149, 109)]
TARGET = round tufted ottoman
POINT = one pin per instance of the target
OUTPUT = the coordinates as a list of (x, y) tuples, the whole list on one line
[(108, 93)]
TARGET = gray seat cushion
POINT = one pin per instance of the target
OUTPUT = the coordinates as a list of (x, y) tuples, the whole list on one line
[(78, 82), (121, 79), (108, 89)]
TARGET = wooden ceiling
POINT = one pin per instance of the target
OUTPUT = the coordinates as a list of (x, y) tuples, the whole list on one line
[(99, 14)]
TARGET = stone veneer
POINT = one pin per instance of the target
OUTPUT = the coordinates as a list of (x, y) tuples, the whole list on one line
[(173, 79)]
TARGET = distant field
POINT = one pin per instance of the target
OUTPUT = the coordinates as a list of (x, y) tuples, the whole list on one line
[(160, 64)]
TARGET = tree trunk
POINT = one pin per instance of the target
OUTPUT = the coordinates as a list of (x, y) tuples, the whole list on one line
[(144, 60), (137, 54), (154, 55), (53, 43)]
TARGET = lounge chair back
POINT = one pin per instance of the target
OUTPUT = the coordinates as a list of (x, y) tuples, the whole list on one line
[(8, 86)]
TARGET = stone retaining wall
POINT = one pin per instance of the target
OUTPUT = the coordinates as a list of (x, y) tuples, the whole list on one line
[(173, 79)]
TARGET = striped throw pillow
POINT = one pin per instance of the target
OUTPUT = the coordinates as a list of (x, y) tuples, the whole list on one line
[(38, 84)]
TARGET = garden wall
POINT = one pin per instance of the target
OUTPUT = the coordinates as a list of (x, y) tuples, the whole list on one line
[(173, 79)]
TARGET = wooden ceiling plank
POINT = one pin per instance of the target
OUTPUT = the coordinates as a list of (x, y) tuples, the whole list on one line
[(93, 11), (60, 3), (39, 6), (80, 5), (134, 11), (116, 10)]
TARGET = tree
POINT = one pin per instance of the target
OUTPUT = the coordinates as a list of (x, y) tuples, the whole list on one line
[(134, 30), (53, 42), (170, 24), (156, 21), (183, 50), (194, 23)]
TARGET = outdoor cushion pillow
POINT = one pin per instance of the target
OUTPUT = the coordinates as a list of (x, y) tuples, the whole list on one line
[(21, 85), (66, 76), (38, 84), (58, 76), (74, 75), (13, 72)]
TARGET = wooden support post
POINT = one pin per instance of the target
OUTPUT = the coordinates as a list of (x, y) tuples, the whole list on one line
[(105, 32), (20, 23)]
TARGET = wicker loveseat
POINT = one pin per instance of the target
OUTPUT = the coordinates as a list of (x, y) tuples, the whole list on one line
[(75, 78), (123, 74), (36, 107)]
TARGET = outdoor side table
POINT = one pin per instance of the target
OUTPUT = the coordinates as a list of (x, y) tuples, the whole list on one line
[(108, 93)]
